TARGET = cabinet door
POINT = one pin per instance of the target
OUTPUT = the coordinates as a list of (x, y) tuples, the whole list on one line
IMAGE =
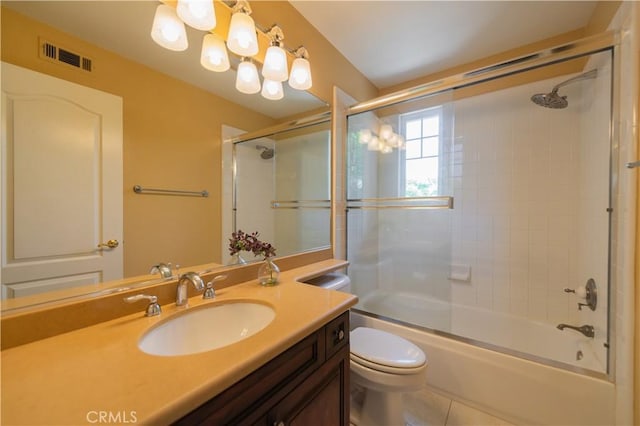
[(248, 402), (322, 399)]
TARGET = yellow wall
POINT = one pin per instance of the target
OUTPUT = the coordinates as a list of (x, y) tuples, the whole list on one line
[(172, 131), (172, 139), (636, 129)]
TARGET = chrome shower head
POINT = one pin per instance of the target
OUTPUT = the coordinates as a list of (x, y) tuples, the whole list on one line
[(550, 100), (555, 101), (267, 153)]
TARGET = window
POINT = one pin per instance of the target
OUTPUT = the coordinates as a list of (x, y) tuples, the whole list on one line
[(422, 132)]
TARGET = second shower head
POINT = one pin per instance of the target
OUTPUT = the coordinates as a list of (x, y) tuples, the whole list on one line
[(267, 153)]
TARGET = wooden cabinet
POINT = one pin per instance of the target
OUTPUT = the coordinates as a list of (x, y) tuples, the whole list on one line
[(306, 385)]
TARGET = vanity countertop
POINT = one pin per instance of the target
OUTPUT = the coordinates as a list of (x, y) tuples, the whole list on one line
[(98, 372)]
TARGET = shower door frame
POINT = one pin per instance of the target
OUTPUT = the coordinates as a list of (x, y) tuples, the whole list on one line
[(603, 42)]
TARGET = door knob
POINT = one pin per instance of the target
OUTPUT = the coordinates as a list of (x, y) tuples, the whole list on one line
[(109, 244)]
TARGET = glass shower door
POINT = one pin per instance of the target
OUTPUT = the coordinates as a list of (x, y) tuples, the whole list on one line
[(399, 211)]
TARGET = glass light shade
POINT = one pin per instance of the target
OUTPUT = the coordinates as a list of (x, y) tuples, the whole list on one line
[(272, 90), (242, 39), (365, 136), (214, 55), (275, 64), (392, 140), (300, 78), (385, 131), (385, 149), (374, 144), (247, 80), (198, 14), (168, 30)]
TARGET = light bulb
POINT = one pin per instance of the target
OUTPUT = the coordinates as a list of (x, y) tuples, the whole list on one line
[(275, 64), (247, 80), (214, 55), (198, 14), (300, 78), (168, 30), (242, 39), (272, 90)]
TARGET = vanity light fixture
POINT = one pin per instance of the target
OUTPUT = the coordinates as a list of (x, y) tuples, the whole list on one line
[(198, 14), (300, 77), (272, 90), (214, 55), (168, 30), (275, 65), (247, 80), (383, 139), (242, 39)]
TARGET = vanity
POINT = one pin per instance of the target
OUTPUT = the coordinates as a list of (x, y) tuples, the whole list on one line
[(293, 371)]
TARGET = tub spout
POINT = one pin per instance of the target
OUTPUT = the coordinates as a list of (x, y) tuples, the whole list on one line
[(587, 330)]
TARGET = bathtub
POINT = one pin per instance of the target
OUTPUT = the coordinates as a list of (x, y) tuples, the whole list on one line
[(511, 387), (499, 331)]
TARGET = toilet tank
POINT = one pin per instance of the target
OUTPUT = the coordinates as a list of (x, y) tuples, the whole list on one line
[(332, 281)]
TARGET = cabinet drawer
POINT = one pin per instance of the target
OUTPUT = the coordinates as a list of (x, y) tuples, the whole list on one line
[(337, 334)]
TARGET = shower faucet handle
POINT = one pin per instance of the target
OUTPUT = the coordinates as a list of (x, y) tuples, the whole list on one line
[(588, 292)]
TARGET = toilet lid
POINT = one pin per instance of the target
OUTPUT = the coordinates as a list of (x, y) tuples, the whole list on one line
[(385, 349)]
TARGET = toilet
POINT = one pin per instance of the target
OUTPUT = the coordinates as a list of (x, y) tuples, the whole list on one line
[(383, 366)]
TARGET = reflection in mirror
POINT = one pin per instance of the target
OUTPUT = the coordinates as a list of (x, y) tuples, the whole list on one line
[(172, 115), (282, 187)]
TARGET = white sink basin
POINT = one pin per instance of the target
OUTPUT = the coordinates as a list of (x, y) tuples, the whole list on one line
[(206, 328)]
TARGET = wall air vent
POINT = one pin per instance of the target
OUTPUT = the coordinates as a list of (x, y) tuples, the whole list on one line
[(54, 53)]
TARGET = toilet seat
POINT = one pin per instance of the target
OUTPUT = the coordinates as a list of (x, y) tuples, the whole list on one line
[(386, 352)]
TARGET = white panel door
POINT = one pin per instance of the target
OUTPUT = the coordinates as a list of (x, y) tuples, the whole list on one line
[(61, 183)]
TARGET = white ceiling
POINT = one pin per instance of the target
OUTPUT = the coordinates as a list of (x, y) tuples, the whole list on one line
[(390, 42)]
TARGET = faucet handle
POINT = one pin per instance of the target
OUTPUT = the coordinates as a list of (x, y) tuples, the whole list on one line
[(209, 292), (153, 308)]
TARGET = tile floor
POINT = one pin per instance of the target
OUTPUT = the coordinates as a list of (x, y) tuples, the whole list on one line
[(427, 408)]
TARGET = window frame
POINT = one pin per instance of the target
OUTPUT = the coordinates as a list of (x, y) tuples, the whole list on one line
[(403, 119)]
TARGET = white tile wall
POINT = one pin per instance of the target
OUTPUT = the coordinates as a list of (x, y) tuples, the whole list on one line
[(530, 180), (531, 191)]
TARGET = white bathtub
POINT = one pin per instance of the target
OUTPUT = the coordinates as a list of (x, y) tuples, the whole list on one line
[(510, 387), (536, 340)]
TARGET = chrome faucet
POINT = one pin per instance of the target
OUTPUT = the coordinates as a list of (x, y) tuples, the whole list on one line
[(181, 293), (164, 269), (587, 330)]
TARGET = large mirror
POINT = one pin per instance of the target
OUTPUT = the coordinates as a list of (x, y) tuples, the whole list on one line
[(172, 115), (282, 185)]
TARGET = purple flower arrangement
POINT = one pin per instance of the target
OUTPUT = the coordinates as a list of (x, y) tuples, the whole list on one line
[(241, 241)]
